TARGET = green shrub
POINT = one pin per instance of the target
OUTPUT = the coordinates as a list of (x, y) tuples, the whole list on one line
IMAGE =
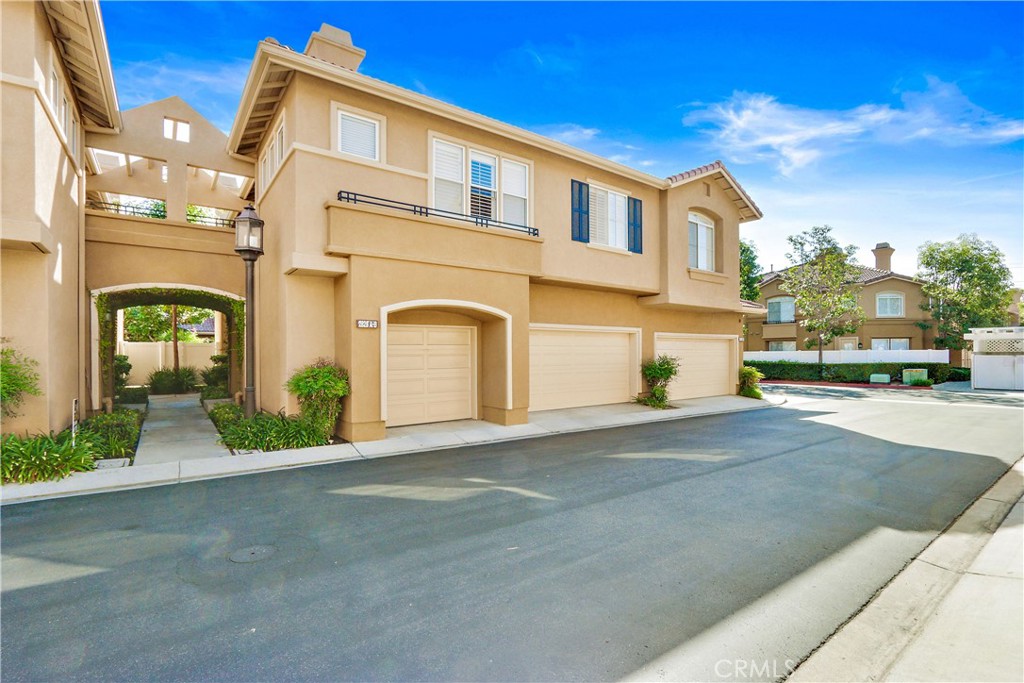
[(959, 375), (219, 359), (167, 381), (218, 373), (225, 415), (266, 432), (44, 457), (658, 372), (216, 391), (319, 386), (750, 379), (132, 395), (122, 368), (843, 372), (18, 379), (113, 435), (921, 382)]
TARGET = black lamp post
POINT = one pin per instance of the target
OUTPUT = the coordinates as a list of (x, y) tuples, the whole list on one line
[(249, 245)]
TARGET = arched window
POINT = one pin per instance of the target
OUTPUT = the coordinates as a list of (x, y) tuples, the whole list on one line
[(702, 242), (781, 309), (889, 305)]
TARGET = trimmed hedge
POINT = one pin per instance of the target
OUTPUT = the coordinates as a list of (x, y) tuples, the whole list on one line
[(846, 372)]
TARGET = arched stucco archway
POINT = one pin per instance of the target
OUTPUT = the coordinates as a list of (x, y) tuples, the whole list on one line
[(107, 301), (482, 311)]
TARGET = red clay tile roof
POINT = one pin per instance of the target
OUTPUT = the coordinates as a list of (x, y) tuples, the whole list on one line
[(714, 166)]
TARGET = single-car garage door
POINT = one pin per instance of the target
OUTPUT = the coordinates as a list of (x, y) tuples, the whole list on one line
[(430, 374), (571, 368), (705, 365)]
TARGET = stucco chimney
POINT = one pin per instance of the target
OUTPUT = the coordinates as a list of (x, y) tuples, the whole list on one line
[(335, 46), (883, 256)]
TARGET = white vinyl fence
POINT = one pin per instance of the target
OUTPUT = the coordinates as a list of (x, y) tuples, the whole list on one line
[(146, 357), (862, 356)]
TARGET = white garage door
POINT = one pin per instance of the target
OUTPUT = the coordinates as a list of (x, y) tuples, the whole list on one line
[(571, 368), (430, 374), (705, 365)]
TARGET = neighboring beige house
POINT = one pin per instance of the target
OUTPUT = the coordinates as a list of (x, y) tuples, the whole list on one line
[(457, 267), (891, 303)]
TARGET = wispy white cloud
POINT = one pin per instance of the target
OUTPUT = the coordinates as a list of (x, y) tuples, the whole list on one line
[(751, 127), (552, 59), (569, 133), (212, 87)]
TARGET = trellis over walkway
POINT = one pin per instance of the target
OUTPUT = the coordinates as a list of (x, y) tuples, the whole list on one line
[(108, 300)]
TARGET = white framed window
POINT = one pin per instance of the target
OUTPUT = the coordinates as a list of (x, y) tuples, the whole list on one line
[(177, 130), (272, 157), (702, 242), (781, 309), (607, 217), (782, 346), (479, 183), (889, 305), (892, 344), (358, 136), (848, 343), (515, 190)]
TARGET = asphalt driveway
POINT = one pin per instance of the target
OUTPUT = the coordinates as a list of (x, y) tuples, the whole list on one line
[(669, 550)]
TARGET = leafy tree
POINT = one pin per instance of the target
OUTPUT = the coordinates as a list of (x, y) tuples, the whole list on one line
[(153, 323), (750, 272), (18, 379), (965, 284), (823, 283)]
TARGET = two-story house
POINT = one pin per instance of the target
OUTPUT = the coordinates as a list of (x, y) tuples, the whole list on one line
[(891, 302), (460, 267)]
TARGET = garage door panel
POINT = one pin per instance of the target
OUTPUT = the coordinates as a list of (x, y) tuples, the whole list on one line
[(571, 368), (430, 374), (705, 366)]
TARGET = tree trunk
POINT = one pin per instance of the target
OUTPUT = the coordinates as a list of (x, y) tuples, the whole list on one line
[(174, 334)]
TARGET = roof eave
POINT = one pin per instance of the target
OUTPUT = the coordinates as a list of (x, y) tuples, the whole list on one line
[(754, 211)]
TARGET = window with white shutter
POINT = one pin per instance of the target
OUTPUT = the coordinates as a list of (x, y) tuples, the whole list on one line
[(482, 185), (358, 136), (702, 242), (607, 217), (514, 190), (449, 176)]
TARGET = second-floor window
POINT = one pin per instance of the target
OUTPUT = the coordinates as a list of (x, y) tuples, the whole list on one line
[(359, 136), (477, 183), (272, 157), (889, 305), (781, 309), (702, 242), (606, 217)]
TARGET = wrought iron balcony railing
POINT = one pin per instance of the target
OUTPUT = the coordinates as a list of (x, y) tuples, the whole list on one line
[(417, 210), (779, 322)]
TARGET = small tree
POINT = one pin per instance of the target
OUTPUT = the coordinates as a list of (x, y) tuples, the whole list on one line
[(965, 284), (320, 386), (824, 286), (658, 373), (750, 272), (18, 379)]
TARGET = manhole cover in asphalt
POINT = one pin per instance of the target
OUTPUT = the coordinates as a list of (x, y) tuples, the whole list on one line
[(254, 553)]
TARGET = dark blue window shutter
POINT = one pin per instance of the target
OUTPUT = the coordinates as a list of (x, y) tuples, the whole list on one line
[(635, 226), (580, 211)]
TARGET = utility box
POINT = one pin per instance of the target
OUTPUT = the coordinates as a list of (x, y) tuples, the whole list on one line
[(879, 379), (910, 375), (998, 361)]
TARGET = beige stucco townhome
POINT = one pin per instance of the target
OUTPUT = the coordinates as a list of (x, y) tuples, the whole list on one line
[(458, 267)]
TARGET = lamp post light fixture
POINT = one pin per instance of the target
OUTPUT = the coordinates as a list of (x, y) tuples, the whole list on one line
[(249, 245)]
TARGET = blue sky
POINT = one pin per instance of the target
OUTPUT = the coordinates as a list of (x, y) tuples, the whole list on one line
[(898, 122)]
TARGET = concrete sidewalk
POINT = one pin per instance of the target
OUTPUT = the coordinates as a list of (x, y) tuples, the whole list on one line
[(177, 428), (172, 457), (955, 613)]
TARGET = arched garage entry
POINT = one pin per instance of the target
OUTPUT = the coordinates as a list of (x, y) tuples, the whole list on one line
[(444, 359), (108, 300)]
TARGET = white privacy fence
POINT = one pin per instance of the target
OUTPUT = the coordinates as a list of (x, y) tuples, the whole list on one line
[(862, 356), (146, 357)]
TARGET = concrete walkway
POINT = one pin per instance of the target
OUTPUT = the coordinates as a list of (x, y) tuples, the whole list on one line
[(177, 428), (956, 613)]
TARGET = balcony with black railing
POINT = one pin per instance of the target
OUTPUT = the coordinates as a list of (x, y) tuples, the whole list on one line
[(157, 210), (426, 211)]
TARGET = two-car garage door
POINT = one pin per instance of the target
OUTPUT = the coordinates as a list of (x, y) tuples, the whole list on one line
[(705, 364)]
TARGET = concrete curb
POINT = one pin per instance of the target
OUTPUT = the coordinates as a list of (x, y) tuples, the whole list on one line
[(873, 640), (143, 476)]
